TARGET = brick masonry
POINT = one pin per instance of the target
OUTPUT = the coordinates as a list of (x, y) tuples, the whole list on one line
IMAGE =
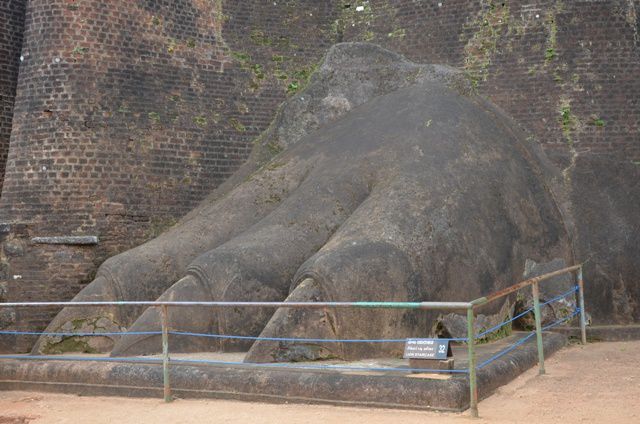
[(11, 29), (565, 70), (128, 112)]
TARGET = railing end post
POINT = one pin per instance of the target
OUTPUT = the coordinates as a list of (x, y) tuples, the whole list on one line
[(165, 354), (583, 319), (538, 319), (473, 382)]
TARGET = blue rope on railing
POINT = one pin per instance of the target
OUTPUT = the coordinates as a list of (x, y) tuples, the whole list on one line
[(494, 328), (39, 333), (229, 363), (560, 321), (78, 358), (502, 324), (507, 350), (521, 341), (284, 365), (555, 299)]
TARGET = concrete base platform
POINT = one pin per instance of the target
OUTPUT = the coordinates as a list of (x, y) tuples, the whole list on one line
[(386, 389)]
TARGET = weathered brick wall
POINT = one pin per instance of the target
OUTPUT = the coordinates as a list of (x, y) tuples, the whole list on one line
[(564, 69), (129, 112), (11, 29)]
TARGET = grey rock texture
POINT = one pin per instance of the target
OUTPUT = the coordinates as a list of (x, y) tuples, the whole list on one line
[(605, 204)]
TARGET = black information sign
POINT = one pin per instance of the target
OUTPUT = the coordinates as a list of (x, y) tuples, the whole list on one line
[(426, 349)]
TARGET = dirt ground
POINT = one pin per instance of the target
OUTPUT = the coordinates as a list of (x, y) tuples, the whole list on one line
[(598, 383)]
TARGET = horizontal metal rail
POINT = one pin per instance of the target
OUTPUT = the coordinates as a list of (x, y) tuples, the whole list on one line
[(355, 304), (304, 305), (533, 280)]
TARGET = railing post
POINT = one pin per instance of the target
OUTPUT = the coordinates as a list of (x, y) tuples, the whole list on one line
[(473, 383), (165, 353), (583, 320), (536, 311)]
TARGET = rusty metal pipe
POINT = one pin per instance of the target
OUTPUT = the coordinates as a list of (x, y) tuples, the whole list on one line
[(523, 284)]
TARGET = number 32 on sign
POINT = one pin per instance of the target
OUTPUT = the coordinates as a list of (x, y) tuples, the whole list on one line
[(427, 349)]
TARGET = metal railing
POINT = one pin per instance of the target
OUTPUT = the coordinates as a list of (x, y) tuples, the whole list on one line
[(468, 306), (534, 283)]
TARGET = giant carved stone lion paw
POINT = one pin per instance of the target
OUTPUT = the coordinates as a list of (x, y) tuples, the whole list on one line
[(393, 182)]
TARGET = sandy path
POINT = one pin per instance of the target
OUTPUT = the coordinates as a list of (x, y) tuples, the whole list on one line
[(599, 383)]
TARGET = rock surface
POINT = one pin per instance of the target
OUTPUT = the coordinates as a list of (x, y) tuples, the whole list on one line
[(394, 182)]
